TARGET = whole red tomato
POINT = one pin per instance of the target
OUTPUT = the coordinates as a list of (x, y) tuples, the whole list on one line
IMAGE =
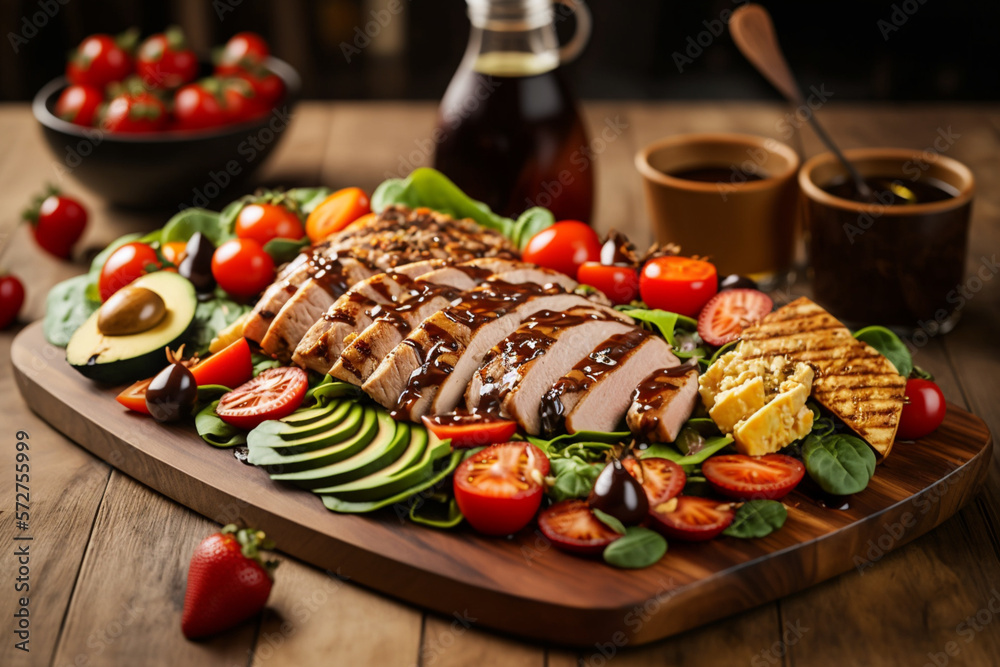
[(242, 268), (563, 247), (164, 61), (923, 411), (100, 60), (200, 105), (11, 299), (242, 49), (267, 86), (619, 283), (135, 113), (240, 101), (58, 223), (124, 265), (264, 222), (678, 284), (79, 104)]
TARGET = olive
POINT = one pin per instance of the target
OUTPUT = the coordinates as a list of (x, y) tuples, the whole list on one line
[(197, 263), (172, 393), (131, 310), (735, 281), (618, 493)]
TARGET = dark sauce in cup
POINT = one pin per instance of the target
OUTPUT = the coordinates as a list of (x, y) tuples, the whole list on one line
[(895, 191), (717, 175)]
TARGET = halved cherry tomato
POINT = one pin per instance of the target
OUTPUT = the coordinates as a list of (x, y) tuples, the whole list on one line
[(79, 104), (678, 284), (134, 396), (563, 247), (173, 251), (619, 283), (264, 222), (499, 489), (752, 477), (336, 212), (923, 411), (242, 268), (124, 265), (467, 431), (692, 518), (572, 526), (724, 317), (275, 393), (662, 479), (230, 366)]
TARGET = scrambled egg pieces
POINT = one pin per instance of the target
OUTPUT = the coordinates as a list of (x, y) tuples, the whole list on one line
[(761, 402)]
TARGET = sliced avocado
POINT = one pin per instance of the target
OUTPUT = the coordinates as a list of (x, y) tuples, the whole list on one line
[(408, 471), (269, 433), (337, 414), (277, 461), (385, 448), (307, 415), (444, 468), (130, 357)]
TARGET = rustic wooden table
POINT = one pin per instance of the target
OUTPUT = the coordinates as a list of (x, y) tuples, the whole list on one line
[(109, 556)]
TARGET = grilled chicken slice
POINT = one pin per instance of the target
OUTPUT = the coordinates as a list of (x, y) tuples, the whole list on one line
[(595, 394), (429, 371), (853, 380), (663, 402), (437, 290), (512, 378)]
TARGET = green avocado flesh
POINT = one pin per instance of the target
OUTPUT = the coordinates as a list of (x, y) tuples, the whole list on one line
[(131, 357), (351, 454)]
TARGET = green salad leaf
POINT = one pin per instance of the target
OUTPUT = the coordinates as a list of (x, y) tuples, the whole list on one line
[(841, 464), (889, 345), (574, 478), (757, 518), (712, 445), (529, 223), (67, 306), (308, 198), (611, 522), (436, 510), (216, 432), (637, 548), (285, 250), (678, 330), (183, 225), (211, 317)]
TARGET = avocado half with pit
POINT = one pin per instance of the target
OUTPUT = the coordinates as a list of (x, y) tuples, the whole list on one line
[(121, 359)]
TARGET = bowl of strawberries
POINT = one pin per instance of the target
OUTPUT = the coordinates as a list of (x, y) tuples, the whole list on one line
[(149, 124)]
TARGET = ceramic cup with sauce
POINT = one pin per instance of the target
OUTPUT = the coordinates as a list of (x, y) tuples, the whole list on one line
[(898, 265), (729, 197)]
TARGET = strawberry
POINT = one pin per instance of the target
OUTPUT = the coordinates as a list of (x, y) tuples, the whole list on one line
[(228, 582)]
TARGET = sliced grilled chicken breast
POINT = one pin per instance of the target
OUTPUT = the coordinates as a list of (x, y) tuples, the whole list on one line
[(662, 403)]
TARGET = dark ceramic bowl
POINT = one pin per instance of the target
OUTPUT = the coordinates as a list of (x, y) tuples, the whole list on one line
[(174, 168)]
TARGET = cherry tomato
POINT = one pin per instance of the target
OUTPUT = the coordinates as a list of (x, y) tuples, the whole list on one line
[(264, 222), (230, 366), (135, 113), (173, 251), (124, 265), (58, 223), (242, 268), (163, 60), (724, 317), (499, 489), (134, 396), (275, 393), (619, 283), (751, 477), (98, 61), (470, 430), (571, 526), (563, 247), (662, 479), (923, 410), (11, 299), (198, 106), (241, 102), (678, 284), (338, 210), (79, 104), (243, 48), (691, 518), (267, 86)]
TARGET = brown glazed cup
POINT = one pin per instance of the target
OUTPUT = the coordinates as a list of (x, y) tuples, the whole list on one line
[(898, 266), (744, 226)]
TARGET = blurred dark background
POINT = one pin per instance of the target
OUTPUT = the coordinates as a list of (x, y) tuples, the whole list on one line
[(862, 49)]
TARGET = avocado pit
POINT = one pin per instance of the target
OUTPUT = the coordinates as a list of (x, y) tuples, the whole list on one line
[(131, 310)]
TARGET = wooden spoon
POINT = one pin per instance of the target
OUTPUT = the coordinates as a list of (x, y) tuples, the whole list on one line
[(753, 32)]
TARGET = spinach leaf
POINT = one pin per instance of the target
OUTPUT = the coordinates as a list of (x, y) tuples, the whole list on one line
[(216, 432), (66, 308), (210, 392), (678, 330), (308, 198), (285, 250), (437, 510), (261, 362), (97, 264), (713, 445), (574, 478), (325, 392), (638, 548), (588, 445), (757, 518), (228, 215), (211, 317), (182, 226), (841, 464), (530, 223), (889, 346), (609, 521)]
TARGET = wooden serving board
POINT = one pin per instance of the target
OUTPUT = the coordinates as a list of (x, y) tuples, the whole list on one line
[(521, 585)]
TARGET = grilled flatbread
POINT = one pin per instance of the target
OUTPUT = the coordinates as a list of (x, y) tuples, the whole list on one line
[(853, 381)]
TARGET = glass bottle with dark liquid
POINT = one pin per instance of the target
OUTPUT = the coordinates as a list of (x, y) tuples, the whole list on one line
[(508, 131)]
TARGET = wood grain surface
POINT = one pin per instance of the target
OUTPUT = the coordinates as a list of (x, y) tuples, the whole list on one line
[(909, 607)]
